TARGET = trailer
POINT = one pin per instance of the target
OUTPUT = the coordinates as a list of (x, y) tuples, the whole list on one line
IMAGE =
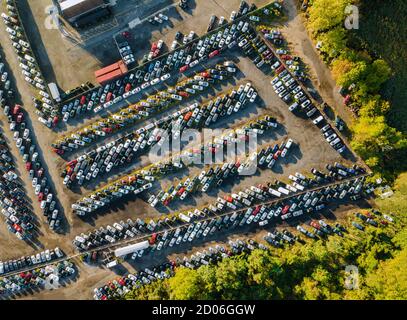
[(121, 252), (54, 91)]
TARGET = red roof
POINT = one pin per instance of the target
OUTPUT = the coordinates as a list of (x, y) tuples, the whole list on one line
[(109, 76), (118, 66)]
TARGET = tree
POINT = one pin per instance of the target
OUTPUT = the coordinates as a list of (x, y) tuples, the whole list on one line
[(231, 276), (333, 42), (390, 279), (326, 14), (375, 106), (185, 285), (377, 73)]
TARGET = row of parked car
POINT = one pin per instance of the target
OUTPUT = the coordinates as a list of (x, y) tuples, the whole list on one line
[(142, 179), (13, 201), (119, 287), (293, 63), (30, 281), (291, 92), (122, 151), (207, 221), (143, 109), (216, 175), (321, 229), (294, 201), (6, 91), (158, 70), (126, 52), (46, 109), (30, 261), (22, 136), (368, 218), (158, 19)]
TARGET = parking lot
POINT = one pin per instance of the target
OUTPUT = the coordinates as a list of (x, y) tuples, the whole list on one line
[(69, 64)]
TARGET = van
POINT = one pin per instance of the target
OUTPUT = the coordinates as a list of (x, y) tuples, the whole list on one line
[(311, 112), (293, 107), (318, 120), (283, 190), (305, 104), (274, 192), (185, 218), (289, 143)]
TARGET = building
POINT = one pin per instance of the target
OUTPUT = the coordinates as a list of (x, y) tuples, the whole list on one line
[(111, 72), (80, 13)]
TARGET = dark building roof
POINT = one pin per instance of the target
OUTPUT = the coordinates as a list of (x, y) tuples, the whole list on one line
[(91, 18), (71, 9)]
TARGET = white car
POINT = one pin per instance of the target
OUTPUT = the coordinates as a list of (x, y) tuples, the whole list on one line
[(163, 17), (253, 97), (165, 77)]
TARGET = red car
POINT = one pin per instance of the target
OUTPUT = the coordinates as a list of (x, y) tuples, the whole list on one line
[(58, 151), (154, 46), (153, 238), (183, 68), (315, 225), (107, 130), (55, 121), (83, 100), (17, 228), (40, 196), (109, 96), (280, 69), (346, 101), (28, 166), (285, 209), (183, 94), (205, 74), (228, 198), (156, 53), (16, 109), (72, 163), (127, 87), (188, 116), (213, 53), (126, 34), (286, 57)]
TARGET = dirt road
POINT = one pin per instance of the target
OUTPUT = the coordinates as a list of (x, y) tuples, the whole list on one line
[(301, 44)]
